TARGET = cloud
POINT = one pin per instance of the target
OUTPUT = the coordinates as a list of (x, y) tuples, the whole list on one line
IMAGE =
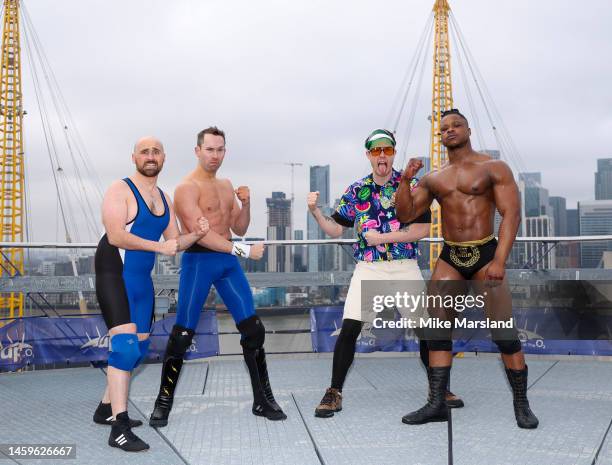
[(307, 81)]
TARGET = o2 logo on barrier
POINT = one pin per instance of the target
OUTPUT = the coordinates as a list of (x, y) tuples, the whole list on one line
[(99, 342), (15, 352), (530, 338)]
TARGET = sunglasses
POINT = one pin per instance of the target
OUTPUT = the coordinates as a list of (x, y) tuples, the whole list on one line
[(377, 151)]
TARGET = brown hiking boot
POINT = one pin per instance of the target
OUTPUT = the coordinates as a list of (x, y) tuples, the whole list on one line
[(331, 402)]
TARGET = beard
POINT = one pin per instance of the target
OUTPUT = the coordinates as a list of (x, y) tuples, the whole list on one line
[(149, 170)]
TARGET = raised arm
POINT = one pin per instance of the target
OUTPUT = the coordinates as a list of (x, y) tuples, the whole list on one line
[(114, 218), (326, 223), (186, 240), (241, 214), (410, 203), (506, 196)]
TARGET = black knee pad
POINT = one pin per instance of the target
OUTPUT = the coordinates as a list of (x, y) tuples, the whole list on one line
[(253, 333), (508, 347), (446, 346), (179, 340)]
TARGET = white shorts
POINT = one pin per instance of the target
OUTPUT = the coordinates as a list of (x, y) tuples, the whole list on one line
[(392, 270)]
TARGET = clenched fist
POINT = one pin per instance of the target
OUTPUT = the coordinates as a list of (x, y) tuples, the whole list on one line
[(373, 237), (257, 251), (312, 199), (243, 195), (202, 227), (169, 247), (413, 167)]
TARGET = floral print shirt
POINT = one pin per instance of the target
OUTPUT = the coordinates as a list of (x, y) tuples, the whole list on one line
[(368, 206)]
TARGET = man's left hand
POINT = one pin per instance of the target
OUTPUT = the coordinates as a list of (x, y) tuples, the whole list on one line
[(373, 238), (243, 195), (495, 272)]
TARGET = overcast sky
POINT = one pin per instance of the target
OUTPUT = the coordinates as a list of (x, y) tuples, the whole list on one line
[(307, 81)]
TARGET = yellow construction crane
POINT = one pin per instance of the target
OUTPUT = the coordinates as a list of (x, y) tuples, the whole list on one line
[(12, 180), (442, 99)]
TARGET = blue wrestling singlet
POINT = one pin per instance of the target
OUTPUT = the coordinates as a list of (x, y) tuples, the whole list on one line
[(123, 277), (201, 268)]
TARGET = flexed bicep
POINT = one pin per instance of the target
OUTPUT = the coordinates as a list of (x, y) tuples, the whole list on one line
[(187, 206)]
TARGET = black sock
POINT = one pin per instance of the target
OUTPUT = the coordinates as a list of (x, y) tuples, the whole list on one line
[(344, 351)]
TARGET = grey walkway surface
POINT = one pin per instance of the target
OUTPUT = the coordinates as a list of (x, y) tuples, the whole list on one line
[(211, 422)]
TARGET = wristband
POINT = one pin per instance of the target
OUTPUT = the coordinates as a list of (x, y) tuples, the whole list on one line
[(240, 249)]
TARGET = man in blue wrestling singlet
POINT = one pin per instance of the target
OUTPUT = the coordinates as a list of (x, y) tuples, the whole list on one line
[(214, 261), (135, 213)]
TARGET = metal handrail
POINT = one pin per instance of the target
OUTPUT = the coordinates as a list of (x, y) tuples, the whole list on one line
[(92, 245)]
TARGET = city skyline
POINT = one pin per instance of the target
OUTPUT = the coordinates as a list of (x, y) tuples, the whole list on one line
[(315, 102)]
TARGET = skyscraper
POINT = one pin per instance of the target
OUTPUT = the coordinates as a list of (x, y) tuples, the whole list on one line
[(299, 252), (595, 219), (569, 254), (279, 228), (603, 179), (536, 221), (559, 213), (536, 253), (535, 197), (319, 181)]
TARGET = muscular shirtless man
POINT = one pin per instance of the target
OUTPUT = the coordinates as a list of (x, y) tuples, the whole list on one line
[(214, 261), (469, 188)]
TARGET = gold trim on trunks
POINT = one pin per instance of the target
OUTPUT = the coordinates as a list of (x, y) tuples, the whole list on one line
[(471, 243)]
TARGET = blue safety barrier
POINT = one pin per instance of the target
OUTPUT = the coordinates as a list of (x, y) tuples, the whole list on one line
[(47, 340), (327, 321)]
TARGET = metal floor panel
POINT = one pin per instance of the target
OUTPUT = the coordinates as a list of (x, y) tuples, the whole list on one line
[(369, 430), (605, 455), (213, 431), (573, 400), (56, 406), (570, 431), (145, 382), (231, 378)]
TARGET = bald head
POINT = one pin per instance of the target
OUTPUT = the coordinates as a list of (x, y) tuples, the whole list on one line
[(148, 156), (148, 142)]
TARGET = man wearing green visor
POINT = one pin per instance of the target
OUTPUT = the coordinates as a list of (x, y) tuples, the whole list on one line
[(385, 249)]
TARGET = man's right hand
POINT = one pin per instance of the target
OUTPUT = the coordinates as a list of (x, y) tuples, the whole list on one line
[(169, 247), (313, 198), (413, 167), (257, 251)]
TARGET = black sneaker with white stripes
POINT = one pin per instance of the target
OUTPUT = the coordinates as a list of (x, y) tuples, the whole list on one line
[(121, 435), (104, 416)]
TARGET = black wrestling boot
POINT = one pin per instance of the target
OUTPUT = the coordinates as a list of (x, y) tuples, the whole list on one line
[(435, 409), (262, 368), (457, 402), (121, 435), (178, 342), (104, 416), (261, 405), (518, 382)]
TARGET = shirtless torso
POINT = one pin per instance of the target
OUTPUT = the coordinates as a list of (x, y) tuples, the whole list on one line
[(469, 188), (213, 198)]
